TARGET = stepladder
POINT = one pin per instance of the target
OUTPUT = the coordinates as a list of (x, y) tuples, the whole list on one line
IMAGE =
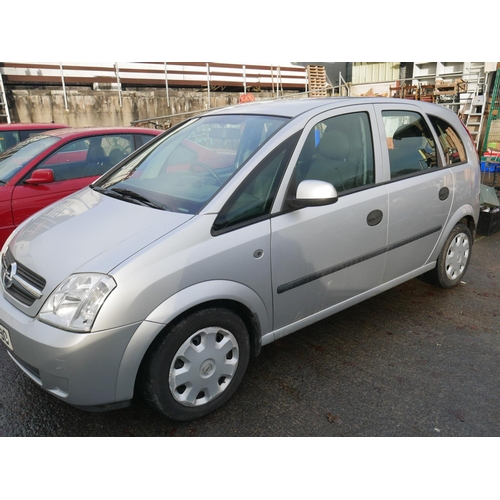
[(4, 107)]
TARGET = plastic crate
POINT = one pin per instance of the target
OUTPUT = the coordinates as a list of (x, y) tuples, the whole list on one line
[(490, 162), (489, 223)]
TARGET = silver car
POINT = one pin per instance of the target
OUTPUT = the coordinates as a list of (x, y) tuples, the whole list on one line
[(228, 232)]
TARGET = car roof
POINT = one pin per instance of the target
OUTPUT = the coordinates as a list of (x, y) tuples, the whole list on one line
[(288, 107), (31, 126), (293, 107), (64, 133)]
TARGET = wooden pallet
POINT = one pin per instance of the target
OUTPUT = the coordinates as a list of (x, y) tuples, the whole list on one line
[(317, 81), (448, 88)]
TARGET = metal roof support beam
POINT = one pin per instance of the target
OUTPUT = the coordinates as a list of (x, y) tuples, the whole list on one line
[(278, 80)]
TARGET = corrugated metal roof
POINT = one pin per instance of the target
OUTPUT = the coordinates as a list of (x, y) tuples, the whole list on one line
[(371, 72), (176, 74)]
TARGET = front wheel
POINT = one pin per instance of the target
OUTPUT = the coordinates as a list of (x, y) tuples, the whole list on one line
[(197, 366), (453, 259)]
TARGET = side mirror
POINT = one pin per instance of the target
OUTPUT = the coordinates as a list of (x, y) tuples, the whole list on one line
[(42, 176), (313, 193)]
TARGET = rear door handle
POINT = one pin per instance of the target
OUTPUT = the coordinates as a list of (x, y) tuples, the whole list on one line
[(444, 193), (374, 217)]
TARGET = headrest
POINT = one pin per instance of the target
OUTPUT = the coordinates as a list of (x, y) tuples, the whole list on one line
[(95, 152), (408, 137), (116, 155), (334, 145)]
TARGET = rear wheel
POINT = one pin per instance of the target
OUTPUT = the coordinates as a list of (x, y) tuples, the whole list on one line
[(453, 259), (197, 366)]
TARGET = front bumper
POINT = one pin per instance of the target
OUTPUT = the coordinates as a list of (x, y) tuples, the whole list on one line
[(87, 370)]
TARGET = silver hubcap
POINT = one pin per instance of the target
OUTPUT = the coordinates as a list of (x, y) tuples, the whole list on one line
[(204, 366), (457, 256)]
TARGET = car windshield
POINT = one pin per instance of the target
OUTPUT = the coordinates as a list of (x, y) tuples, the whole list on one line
[(15, 158), (184, 170)]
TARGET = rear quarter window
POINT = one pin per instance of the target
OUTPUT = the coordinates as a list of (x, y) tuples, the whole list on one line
[(453, 147)]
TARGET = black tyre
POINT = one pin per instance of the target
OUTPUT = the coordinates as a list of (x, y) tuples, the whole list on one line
[(453, 259), (197, 366)]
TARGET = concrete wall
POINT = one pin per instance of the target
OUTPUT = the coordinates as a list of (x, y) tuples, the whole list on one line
[(87, 107)]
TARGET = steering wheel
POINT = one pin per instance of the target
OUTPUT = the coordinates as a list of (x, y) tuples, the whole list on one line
[(206, 167)]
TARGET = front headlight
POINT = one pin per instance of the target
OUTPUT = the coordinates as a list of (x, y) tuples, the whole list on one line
[(74, 304)]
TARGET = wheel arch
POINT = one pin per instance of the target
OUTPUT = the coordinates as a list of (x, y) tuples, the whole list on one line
[(465, 215), (454, 258), (251, 321), (469, 221), (233, 296)]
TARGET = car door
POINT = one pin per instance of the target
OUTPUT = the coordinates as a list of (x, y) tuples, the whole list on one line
[(325, 256), (74, 167), (420, 188)]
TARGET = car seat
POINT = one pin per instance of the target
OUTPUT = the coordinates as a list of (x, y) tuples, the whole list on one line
[(406, 157), (115, 156), (97, 162), (334, 166)]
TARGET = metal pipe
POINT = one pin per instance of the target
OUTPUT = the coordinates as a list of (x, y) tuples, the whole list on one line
[(64, 88), (208, 84), (166, 85), (278, 82), (198, 111), (119, 85)]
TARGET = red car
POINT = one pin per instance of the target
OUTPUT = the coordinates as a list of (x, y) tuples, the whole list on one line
[(51, 165), (12, 133)]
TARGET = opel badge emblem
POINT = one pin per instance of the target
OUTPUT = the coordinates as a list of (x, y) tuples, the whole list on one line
[(8, 277)]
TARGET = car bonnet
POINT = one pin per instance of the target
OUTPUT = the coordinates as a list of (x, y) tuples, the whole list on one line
[(87, 232)]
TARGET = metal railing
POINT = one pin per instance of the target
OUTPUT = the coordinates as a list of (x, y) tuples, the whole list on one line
[(155, 119)]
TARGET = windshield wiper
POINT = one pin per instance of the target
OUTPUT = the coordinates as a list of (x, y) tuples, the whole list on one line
[(132, 196)]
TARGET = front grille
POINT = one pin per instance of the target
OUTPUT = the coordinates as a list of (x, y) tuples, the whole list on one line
[(16, 289), (31, 369)]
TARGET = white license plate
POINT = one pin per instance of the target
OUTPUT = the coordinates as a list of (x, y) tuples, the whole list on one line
[(5, 337)]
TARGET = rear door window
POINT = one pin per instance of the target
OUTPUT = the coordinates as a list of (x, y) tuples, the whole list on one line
[(25, 134), (141, 139), (411, 146)]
